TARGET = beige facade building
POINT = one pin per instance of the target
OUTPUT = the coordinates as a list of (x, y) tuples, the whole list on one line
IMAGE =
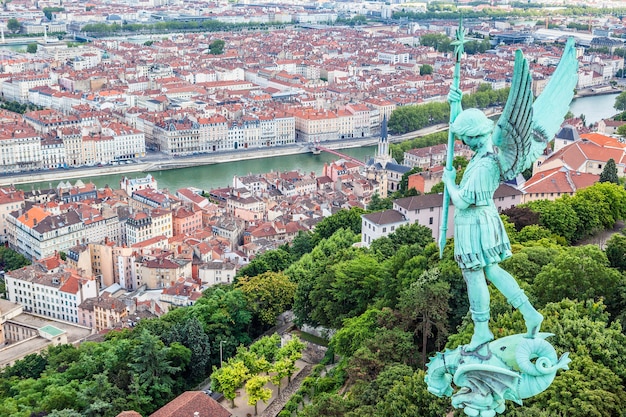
[(10, 200), (158, 273)]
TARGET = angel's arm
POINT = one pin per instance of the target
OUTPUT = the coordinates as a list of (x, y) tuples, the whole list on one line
[(454, 98), (454, 191)]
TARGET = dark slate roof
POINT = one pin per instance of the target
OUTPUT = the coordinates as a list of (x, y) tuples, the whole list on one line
[(568, 132), (385, 217), (419, 202), (402, 169), (505, 190)]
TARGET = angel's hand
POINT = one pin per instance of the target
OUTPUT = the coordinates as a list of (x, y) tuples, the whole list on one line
[(455, 95), (449, 176)]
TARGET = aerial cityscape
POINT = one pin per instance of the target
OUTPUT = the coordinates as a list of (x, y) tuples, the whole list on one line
[(294, 292)]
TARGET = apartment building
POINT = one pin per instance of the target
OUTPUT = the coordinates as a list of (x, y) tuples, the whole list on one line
[(10, 200), (147, 224), (20, 148), (161, 272), (379, 224), (313, 126), (52, 294), (38, 234)]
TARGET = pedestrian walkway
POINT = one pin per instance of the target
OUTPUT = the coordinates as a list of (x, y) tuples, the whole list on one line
[(275, 403)]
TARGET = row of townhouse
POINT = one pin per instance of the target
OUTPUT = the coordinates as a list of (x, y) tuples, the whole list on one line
[(47, 141), (187, 135), (314, 125)]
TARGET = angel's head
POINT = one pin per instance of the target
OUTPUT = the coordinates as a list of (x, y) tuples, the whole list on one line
[(473, 128)]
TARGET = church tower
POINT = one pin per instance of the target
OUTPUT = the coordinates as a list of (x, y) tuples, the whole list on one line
[(383, 155)]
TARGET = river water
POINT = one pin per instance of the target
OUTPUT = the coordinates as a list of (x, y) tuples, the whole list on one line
[(207, 177), (595, 108)]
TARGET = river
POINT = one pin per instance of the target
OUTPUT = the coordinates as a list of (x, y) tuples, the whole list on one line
[(207, 177), (595, 108)]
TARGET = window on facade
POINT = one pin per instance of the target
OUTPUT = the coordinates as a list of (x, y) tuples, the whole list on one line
[(430, 220)]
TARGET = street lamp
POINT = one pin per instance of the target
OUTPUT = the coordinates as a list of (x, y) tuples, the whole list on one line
[(221, 341)]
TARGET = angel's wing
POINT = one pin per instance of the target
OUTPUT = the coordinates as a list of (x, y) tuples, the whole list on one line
[(524, 128)]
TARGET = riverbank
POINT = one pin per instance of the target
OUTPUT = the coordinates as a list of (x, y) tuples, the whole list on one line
[(170, 163), (163, 162), (599, 91)]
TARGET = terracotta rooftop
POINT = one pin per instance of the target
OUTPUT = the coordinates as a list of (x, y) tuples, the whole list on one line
[(189, 403)]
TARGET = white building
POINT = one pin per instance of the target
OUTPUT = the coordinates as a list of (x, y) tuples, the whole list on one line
[(52, 294), (217, 272), (379, 224)]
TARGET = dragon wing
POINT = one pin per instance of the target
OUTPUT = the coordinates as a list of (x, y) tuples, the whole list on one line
[(525, 128), (484, 381)]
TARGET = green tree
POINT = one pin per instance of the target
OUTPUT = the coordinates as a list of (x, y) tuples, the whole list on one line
[(192, 336), (579, 273), (273, 260), (266, 347), (14, 25), (30, 367), (47, 11), (426, 69), (216, 47), (622, 131), (379, 204), (438, 41), (609, 173), (31, 48), (354, 332), (152, 369), (11, 260), (616, 251), (409, 397), (343, 219), (255, 388), (67, 412), (306, 271), (281, 369), (291, 350), (425, 305), (373, 393), (301, 244), (557, 216), (345, 290), (225, 316), (620, 102), (229, 378), (268, 295)]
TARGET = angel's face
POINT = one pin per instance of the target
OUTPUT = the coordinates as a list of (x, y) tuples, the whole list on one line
[(474, 142)]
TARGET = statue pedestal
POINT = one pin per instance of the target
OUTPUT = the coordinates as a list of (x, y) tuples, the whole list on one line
[(511, 368)]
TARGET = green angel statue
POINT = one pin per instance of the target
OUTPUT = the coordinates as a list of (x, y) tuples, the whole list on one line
[(501, 153)]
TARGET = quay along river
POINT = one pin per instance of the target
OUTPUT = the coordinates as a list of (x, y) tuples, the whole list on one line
[(217, 175)]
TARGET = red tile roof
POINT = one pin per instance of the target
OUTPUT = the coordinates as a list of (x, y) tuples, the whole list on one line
[(190, 402)]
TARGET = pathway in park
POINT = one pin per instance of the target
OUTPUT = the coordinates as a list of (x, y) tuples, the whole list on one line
[(276, 403), (311, 356)]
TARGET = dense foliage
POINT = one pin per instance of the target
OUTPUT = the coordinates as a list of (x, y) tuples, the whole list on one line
[(390, 307), (105, 29), (411, 118), (447, 11)]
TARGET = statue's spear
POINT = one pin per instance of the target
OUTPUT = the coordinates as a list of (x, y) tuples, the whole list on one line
[(454, 111)]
